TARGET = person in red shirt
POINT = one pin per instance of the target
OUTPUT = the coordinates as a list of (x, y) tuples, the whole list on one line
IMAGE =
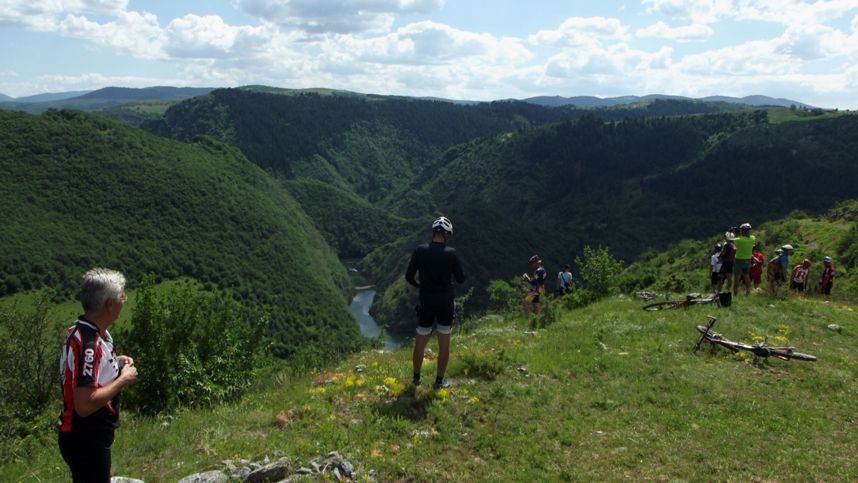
[(799, 276), (758, 259), (92, 377)]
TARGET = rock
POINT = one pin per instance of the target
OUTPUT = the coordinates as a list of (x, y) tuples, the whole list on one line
[(272, 472), (337, 465), (125, 479), (835, 327), (214, 476)]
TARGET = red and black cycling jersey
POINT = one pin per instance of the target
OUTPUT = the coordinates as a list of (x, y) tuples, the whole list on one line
[(437, 264), (88, 359)]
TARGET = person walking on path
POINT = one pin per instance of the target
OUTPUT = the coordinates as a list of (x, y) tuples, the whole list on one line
[(744, 244), (435, 265), (826, 281), (92, 377), (537, 285)]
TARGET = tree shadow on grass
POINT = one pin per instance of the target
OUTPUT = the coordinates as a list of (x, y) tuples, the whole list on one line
[(411, 404)]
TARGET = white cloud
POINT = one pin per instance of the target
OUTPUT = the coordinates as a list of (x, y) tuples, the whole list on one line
[(433, 43), (747, 59), (698, 11), (582, 31), (43, 15), (336, 16), (688, 33), (793, 12), (134, 33), (614, 63), (812, 42), (194, 36)]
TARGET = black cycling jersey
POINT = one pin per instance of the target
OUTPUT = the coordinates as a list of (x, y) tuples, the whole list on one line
[(437, 265)]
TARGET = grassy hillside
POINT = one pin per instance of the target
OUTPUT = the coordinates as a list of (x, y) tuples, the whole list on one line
[(632, 186), (684, 267), (608, 392), (82, 191)]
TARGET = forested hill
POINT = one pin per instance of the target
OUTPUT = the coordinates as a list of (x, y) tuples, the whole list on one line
[(631, 186), (372, 146), (82, 191)]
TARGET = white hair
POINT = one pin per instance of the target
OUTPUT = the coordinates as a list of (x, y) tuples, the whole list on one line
[(99, 286)]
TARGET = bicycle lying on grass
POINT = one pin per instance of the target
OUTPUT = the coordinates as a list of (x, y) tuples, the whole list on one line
[(690, 299), (759, 349)]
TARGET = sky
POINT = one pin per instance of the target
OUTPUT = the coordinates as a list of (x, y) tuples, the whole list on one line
[(806, 51)]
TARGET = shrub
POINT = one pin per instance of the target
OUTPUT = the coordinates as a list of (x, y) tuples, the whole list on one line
[(192, 348), (29, 347), (505, 296), (599, 270)]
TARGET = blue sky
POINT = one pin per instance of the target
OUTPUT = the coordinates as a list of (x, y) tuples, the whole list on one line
[(461, 49)]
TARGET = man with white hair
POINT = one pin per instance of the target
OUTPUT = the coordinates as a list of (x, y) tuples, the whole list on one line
[(435, 265), (92, 376)]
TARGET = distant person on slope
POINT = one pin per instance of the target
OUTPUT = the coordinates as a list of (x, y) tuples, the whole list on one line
[(91, 377), (537, 285), (435, 265), (799, 276), (774, 273), (728, 256), (715, 269), (744, 254), (564, 280), (758, 259), (826, 281)]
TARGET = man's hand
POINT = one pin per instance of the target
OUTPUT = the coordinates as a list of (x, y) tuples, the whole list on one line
[(125, 360), (128, 374)]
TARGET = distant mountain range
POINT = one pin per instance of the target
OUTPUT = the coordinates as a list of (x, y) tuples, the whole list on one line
[(599, 102), (101, 98), (115, 96)]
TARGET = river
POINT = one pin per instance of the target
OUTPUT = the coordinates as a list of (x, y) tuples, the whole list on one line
[(359, 308)]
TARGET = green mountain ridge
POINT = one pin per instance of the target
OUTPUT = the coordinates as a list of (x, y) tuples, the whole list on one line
[(82, 191)]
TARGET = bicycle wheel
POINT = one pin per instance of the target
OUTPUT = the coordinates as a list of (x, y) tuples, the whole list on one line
[(670, 304), (791, 355)]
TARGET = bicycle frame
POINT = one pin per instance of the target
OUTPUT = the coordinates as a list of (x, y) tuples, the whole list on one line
[(760, 349)]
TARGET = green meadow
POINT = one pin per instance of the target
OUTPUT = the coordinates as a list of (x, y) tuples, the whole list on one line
[(608, 392)]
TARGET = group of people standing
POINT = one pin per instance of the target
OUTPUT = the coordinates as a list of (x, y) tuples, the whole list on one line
[(739, 260)]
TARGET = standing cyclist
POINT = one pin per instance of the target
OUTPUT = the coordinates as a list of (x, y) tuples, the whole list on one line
[(537, 285), (436, 265), (744, 244), (92, 376)]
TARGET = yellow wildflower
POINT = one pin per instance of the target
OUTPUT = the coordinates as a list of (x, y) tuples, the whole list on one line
[(474, 400)]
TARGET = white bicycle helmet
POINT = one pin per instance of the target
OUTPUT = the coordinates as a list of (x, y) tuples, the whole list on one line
[(443, 223), (745, 226), (788, 247), (826, 259)]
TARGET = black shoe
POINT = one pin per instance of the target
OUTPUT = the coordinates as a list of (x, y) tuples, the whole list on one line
[(415, 381), (444, 384)]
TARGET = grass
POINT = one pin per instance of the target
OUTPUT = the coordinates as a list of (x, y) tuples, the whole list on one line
[(609, 392), (779, 115)]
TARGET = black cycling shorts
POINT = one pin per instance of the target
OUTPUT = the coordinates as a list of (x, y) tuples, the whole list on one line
[(435, 309), (88, 455)]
